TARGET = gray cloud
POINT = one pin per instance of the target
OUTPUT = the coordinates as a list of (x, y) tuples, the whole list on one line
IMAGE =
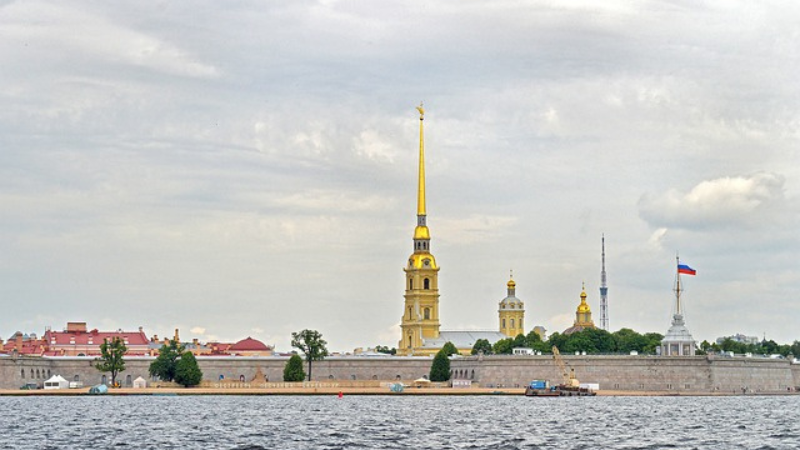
[(253, 166)]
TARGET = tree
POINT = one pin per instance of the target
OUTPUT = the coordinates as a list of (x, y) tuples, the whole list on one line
[(520, 341), (482, 346), (187, 371), (111, 358), (440, 368), (312, 345), (293, 370), (503, 347), (449, 348), (165, 364), (385, 349)]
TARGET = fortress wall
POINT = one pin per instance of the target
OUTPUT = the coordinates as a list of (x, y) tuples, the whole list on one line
[(752, 374), (344, 368), (635, 373), (632, 373)]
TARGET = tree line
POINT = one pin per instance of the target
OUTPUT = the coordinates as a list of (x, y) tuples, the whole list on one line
[(590, 340)]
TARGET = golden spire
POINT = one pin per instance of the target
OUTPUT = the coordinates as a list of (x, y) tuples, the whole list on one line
[(421, 188), (421, 231)]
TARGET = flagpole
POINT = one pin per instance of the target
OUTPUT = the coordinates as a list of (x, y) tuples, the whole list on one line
[(678, 288)]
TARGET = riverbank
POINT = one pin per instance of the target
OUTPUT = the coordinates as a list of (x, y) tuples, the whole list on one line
[(345, 391)]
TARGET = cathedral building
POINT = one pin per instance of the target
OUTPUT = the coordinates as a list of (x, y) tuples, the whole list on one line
[(583, 316), (420, 332)]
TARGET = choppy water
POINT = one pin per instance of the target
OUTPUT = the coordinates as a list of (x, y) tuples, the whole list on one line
[(387, 422)]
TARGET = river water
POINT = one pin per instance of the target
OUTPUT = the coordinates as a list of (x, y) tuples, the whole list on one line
[(398, 422)]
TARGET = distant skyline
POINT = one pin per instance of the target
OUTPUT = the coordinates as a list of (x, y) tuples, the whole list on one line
[(248, 169)]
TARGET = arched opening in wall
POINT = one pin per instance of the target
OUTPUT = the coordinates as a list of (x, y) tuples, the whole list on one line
[(512, 323), (48, 373), (409, 341), (37, 374), (374, 377), (241, 378), (266, 379), (81, 354), (352, 377), (76, 378), (409, 313), (504, 323), (128, 381), (22, 373), (410, 284), (31, 373), (330, 377), (427, 312), (426, 284), (397, 377), (103, 379), (473, 375)]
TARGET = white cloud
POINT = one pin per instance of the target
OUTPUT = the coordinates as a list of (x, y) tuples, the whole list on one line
[(727, 202)]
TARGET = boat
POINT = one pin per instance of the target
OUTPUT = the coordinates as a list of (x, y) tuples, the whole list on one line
[(540, 388), (571, 387)]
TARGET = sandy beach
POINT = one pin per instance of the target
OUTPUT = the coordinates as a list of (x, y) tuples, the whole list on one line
[(343, 390)]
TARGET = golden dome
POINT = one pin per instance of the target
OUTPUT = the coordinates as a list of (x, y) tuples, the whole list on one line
[(422, 260), (584, 307)]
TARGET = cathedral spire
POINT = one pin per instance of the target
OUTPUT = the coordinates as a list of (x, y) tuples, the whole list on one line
[(421, 234), (421, 188)]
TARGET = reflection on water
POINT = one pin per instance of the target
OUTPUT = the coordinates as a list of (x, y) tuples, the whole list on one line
[(395, 422)]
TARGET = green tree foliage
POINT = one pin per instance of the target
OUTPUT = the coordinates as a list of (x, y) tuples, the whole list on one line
[(482, 346), (293, 370), (440, 368), (312, 345), (449, 348), (519, 341), (165, 364), (535, 342), (187, 372), (386, 350), (503, 346), (111, 358), (653, 342)]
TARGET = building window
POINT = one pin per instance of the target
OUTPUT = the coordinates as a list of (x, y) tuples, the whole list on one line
[(512, 323), (374, 377), (427, 283), (330, 377), (76, 378), (352, 377), (22, 373), (504, 323), (409, 313), (410, 284), (427, 314)]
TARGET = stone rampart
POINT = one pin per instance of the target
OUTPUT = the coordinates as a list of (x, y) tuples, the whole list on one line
[(636, 373), (621, 372)]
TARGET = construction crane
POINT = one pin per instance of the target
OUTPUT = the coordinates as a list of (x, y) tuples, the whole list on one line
[(569, 377)]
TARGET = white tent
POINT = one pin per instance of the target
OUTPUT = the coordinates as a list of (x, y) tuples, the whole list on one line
[(56, 382), (139, 383)]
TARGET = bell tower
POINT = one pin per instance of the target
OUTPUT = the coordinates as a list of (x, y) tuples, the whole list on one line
[(511, 312), (420, 319)]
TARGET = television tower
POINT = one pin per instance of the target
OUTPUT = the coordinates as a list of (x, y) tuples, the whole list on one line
[(603, 290)]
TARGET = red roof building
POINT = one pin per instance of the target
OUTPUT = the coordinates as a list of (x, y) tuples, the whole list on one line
[(76, 340)]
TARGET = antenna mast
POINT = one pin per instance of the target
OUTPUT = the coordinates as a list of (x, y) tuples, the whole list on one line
[(603, 290)]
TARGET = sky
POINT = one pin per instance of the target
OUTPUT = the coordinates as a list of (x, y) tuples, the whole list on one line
[(238, 169)]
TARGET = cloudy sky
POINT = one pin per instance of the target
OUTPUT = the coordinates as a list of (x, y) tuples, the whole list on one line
[(249, 169)]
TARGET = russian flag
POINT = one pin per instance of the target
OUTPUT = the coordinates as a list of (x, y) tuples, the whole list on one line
[(685, 269)]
